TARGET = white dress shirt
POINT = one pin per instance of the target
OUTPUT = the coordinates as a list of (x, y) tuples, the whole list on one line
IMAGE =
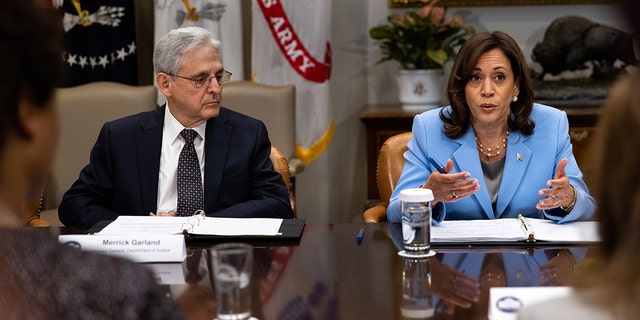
[(172, 143)]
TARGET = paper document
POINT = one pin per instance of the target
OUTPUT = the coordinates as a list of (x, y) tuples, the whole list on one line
[(578, 231), (206, 226), (511, 229), (238, 227)]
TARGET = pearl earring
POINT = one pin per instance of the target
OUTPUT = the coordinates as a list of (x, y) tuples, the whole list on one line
[(515, 99)]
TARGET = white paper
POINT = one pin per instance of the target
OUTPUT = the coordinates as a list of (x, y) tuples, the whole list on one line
[(144, 225), (510, 229), (167, 273), (505, 303), (578, 231), (238, 227), (206, 226), (477, 230)]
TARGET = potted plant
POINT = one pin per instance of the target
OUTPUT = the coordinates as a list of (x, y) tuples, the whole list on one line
[(422, 42)]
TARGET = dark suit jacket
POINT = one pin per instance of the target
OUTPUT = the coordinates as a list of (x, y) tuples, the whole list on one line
[(122, 175)]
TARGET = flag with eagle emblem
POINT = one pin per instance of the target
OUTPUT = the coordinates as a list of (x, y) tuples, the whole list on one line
[(223, 18), (100, 41)]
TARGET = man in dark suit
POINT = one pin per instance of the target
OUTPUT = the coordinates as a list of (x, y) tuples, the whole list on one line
[(133, 167)]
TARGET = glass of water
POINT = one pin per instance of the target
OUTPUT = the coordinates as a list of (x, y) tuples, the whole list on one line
[(416, 222), (232, 277)]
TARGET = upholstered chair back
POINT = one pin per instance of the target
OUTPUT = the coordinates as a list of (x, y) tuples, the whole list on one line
[(83, 110), (275, 106), (390, 164)]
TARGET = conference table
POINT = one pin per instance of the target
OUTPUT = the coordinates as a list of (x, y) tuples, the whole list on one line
[(329, 274)]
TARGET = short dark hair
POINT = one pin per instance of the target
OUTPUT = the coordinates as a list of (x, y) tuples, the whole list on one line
[(457, 122), (31, 41)]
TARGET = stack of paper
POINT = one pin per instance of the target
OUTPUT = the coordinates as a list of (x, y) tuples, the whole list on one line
[(512, 229), (204, 226)]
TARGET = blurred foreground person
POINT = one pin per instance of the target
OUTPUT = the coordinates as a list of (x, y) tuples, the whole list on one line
[(608, 288), (40, 278)]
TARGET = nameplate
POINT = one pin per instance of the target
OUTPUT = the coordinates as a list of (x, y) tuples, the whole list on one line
[(138, 248), (167, 273)]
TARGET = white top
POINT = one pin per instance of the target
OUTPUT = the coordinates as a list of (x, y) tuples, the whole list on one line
[(416, 195), (172, 143)]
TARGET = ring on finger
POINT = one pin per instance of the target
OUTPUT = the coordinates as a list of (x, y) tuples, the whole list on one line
[(454, 280), (454, 195)]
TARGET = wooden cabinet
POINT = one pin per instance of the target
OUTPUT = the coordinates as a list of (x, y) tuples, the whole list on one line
[(384, 121)]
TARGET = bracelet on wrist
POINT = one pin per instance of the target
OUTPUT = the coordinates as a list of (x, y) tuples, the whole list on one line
[(573, 202)]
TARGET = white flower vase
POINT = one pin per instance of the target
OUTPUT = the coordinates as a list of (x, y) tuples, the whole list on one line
[(420, 90)]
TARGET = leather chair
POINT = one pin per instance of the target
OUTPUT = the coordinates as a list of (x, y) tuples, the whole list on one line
[(276, 107), (281, 165), (390, 164), (83, 110)]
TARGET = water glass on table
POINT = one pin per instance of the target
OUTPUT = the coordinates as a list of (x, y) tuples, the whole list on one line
[(232, 264), (416, 222)]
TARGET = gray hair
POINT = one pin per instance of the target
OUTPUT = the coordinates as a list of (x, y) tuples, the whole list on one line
[(168, 52)]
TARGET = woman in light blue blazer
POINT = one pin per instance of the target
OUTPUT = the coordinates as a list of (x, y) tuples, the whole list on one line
[(503, 154)]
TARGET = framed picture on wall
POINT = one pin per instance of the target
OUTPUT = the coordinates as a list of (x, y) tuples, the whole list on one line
[(472, 3)]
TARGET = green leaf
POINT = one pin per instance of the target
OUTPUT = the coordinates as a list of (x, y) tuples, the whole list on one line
[(438, 56)]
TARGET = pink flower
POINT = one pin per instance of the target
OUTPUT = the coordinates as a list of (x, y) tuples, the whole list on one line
[(407, 37), (425, 11), (398, 18), (437, 13)]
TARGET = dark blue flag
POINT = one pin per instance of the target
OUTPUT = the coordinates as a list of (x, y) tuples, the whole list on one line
[(100, 41)]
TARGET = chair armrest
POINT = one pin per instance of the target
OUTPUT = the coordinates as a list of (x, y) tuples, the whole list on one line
[(50, 216), (31, 213), (375, 214), (35, 221)]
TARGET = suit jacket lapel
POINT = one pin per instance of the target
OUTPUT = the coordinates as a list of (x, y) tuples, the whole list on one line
[(516, 163), (218, 137), (148, 146), (467, 157)]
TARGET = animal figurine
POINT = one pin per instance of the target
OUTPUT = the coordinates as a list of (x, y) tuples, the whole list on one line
[(570, 42)]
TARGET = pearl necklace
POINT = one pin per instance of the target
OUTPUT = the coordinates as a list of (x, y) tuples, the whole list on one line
[(493, 151)]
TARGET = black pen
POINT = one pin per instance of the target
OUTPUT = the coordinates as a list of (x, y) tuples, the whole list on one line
[(359, 236), (435, 163)]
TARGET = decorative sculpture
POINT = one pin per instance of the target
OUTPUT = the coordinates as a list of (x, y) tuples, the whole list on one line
[(571, 42)]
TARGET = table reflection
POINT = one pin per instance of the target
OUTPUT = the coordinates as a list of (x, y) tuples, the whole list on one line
[(417, 296), (461, 278), (329, 275)]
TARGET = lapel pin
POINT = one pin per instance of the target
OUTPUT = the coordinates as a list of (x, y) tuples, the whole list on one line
[(519, 157)]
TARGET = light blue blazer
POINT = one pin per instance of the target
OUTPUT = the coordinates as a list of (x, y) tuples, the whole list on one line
[(530, 162)]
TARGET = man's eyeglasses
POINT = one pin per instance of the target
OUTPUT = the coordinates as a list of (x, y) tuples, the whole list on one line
[(222, 77)]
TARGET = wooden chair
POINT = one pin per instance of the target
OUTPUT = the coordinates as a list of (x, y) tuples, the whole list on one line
[(390, 164)]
